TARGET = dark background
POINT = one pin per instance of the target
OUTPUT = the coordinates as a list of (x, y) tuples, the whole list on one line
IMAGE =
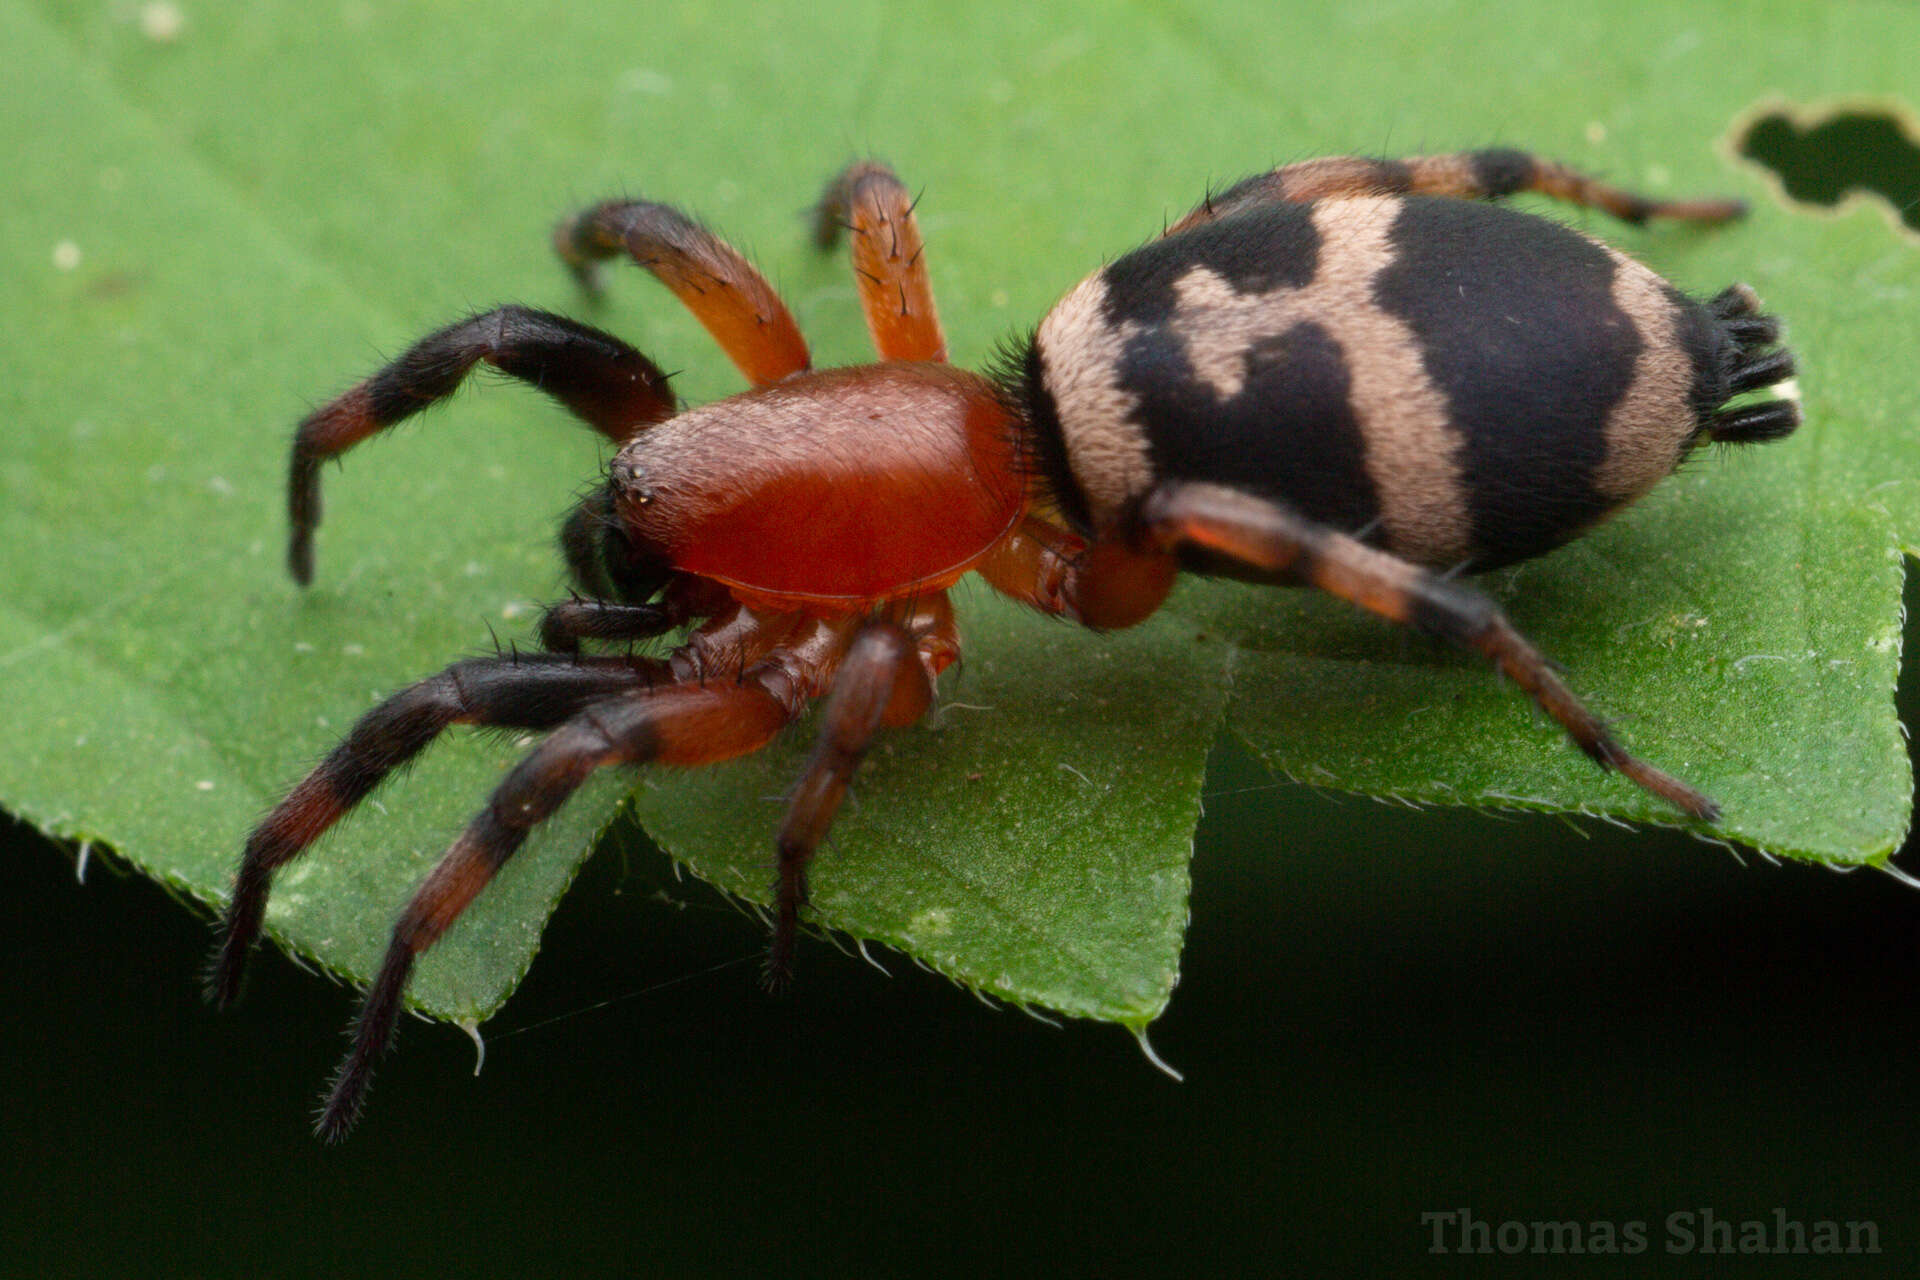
[(1384, 1013)]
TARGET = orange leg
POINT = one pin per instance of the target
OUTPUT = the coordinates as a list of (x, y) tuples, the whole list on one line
[(1106, 586), (1271, 539), (880, 681), (889, 259), (722, 289), (1471, 175)]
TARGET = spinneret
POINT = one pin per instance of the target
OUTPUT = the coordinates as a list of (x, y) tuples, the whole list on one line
[(1339, 374)]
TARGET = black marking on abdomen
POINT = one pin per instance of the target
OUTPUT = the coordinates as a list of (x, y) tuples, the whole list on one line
[(1257, 250), (1289, 432), (1519, 330)]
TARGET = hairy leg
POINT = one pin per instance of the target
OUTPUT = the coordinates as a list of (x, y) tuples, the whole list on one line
[(889, 259), (1277, 543), (731, 299), (530, 691), (880, 681), (1472, 175), (606, 383)]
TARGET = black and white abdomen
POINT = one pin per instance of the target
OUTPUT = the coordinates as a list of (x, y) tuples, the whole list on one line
[(1458, 382)]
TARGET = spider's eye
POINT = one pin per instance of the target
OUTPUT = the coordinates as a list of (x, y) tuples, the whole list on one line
[(626, 477)]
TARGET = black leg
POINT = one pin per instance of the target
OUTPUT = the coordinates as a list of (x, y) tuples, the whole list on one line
[(679, 724), (566, 624), (606, 383), (532, 691)]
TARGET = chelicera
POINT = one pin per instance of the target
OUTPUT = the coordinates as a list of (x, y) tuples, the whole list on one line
[(1344, 374)]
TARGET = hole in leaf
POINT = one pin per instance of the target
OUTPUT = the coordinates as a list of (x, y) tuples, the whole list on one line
[(1824, 157)]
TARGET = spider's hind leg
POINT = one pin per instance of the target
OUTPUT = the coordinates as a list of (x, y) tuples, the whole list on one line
[(1489, 174), (1281, 546)]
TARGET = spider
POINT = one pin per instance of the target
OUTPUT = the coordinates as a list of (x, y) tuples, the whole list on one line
[(1347, 373)]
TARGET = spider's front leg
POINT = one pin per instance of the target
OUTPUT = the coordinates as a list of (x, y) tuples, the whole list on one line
[(1278, 544), (712, 279), (527, 691), (600, 379), (523, 691), (882, 674), (676, 724)]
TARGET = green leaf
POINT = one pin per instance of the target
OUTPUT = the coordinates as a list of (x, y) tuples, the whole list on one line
[(207, 234)]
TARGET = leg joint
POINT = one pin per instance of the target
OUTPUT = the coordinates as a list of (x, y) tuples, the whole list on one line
[(1457, 614)]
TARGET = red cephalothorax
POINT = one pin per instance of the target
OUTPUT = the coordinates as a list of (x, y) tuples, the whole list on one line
[(1340, 374), (824, 511)]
